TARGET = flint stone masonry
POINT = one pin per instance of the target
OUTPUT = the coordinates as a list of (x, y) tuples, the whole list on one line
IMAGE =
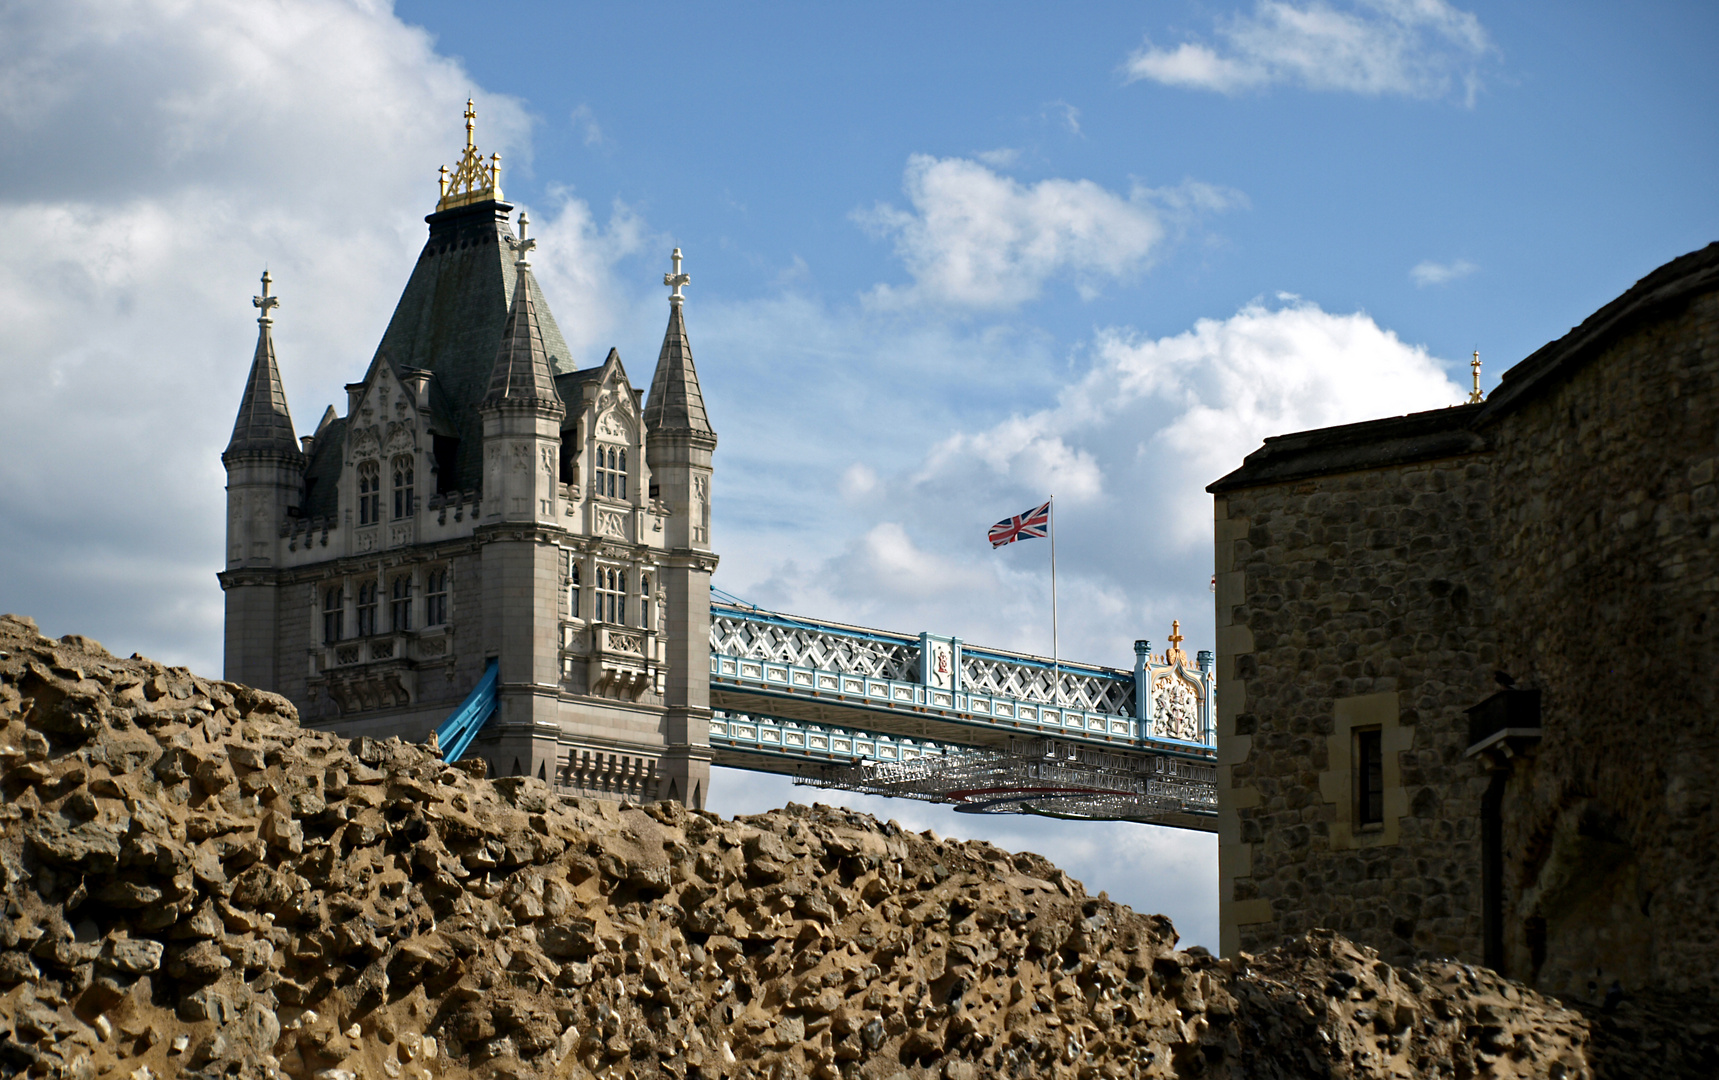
[(1563, 533), (429, 922)]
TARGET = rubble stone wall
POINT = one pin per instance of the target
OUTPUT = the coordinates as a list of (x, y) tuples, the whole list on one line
[(1607, 512), (1345, 602)]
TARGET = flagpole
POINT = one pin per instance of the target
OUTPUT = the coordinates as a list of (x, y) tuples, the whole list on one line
[(1056, 661)]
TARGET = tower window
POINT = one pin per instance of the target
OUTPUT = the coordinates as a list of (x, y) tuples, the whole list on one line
[(610, 472), (334, 614), (569, 458), (572, 587), (400, 603), (645, 601), (369, 493), (367, 609), (611, 595), (1369, 777), (436, 598), (402, 487)]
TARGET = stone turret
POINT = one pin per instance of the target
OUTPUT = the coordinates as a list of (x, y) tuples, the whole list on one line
[(521, 416), (678, 448), (265, 476)]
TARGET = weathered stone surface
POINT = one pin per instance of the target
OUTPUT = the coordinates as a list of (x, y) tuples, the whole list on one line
[(646, 944)]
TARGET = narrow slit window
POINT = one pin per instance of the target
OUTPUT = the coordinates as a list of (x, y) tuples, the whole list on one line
[(621, 476), (573, 588), (1369, 777), (645, 601)]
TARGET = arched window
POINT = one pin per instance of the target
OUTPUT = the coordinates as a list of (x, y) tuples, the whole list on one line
[(369, 493), (334, 613), (621, 476), (436, 598), (609, 472), (402, 487), (645, 601), (611, 595), (366, 609), (573, 587), (400, 603)]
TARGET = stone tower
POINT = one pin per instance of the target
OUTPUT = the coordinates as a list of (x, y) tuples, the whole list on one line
[(484, 500)]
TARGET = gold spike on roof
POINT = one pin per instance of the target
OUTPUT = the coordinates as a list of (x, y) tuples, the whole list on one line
[(474, 179)]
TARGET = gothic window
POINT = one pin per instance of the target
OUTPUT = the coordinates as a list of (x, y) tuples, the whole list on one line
[(402, 487), (369, 493), (572, 587), (400, 603), (436, 598), (333, 613), (645, 601), (611, 595), (610, 473), (367, 609)]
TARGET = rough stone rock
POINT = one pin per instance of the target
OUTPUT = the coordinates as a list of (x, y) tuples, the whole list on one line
[(278, 902)]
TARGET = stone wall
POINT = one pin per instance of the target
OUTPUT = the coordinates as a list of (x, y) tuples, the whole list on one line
[(1608, 517), (1346, 602), (1562, 535)]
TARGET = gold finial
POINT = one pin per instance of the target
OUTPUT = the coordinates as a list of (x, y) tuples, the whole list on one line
[(473, 179), (1475, 396), (265, 301), (676, 279), (1174, 654)]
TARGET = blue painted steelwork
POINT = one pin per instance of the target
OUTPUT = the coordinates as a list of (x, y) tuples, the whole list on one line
[(456, 733), (747, 733)]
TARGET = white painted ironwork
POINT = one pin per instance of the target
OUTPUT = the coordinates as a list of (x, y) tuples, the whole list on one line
[(750, 733), (763, 636)]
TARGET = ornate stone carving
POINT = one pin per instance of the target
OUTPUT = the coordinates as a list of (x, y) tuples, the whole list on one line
[(1175, 708), (610, 523)]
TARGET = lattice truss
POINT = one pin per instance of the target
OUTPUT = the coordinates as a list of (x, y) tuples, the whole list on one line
[(1040, 776), (1091, 691), (809, 647)]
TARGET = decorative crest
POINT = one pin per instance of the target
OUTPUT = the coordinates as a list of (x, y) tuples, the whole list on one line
[(1174, 654), (266, 302), (1475, 396), (522, 245), (677, 279), (473, 180)]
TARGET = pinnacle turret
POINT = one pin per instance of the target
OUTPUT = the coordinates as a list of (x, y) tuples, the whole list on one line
[(676, 403), (263, 424), (522, 371)]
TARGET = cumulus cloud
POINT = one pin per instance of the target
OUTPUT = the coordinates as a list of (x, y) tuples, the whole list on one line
[(976, 239), (1411, 48), (1435, 273), (1127, 448), (159, 155)]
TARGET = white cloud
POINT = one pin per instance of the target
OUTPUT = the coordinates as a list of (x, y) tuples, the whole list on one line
[(1065, 114), (1413, 48), (159, 155), (1128, 448), (585, 123), (1000, 158), (976, 239), (1434, 273)]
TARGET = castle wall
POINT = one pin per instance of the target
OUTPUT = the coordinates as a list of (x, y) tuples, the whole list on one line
[(1607, 511), (1346, 603)]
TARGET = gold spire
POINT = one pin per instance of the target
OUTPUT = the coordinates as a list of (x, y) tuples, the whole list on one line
[(473, 180), (1475, 396)]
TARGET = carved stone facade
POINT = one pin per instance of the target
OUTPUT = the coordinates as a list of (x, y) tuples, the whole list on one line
[(1467, 701), (484, 500)]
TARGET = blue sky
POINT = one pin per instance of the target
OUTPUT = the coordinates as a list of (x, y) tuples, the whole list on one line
[(946, 259)]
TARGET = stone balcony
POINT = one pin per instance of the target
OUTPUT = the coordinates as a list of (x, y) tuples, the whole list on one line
[(379, 671), (616, 661)]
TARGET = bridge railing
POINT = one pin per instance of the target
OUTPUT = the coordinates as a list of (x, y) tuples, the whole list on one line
[(1164, 699)]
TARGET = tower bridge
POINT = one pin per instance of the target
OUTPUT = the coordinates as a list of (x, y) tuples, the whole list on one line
[(512, 550)]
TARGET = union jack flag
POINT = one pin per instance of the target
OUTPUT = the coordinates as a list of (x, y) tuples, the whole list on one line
[(1029, 525)]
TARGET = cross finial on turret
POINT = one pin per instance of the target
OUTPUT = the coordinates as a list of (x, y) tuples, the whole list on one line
[(1475, 396), (676, 279), (1175, 633), (265, 301), (523, 244)]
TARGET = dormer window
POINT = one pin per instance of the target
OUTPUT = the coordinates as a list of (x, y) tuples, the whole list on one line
[(610, 471), (402, 487), (369, 493)]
